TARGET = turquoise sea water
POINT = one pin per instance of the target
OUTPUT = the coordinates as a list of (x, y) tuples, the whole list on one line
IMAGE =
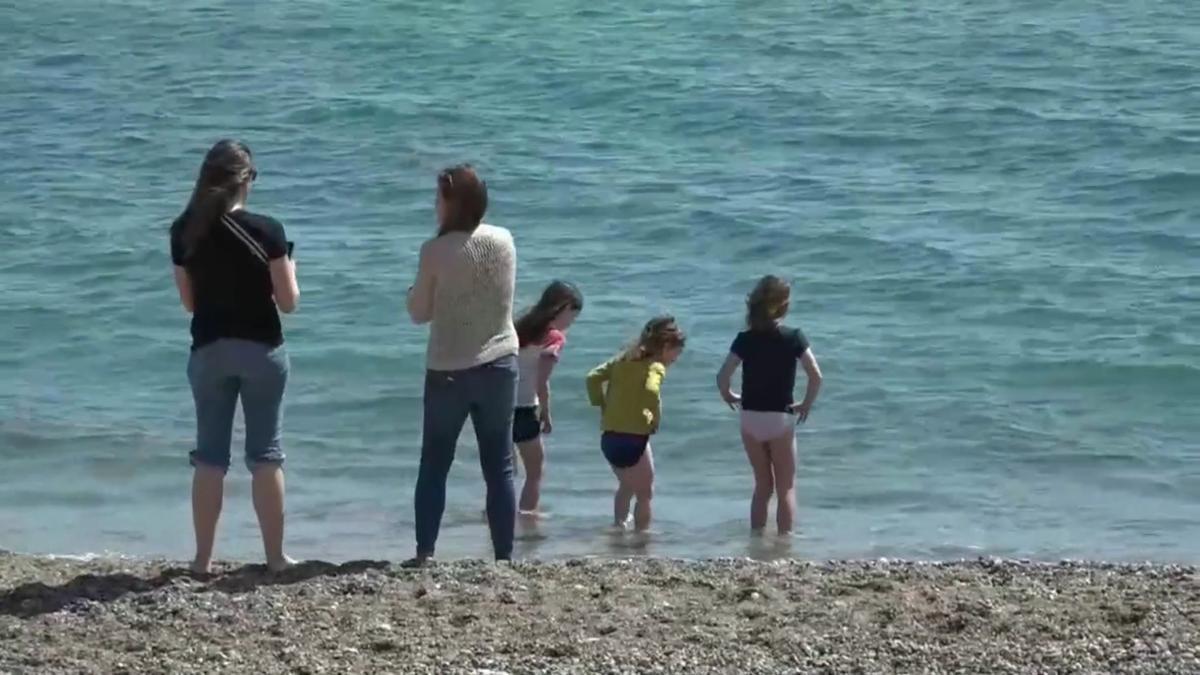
[(989, 210)]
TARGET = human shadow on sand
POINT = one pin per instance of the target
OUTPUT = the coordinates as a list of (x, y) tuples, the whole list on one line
[(36, 598)]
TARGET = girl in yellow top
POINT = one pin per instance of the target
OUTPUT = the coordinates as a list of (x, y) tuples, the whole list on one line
[(631, 410)]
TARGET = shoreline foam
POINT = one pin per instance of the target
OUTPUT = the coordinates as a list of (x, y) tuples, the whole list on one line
[(600, 615)]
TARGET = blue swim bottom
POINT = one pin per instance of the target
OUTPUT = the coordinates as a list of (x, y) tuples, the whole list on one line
[(623, 450)]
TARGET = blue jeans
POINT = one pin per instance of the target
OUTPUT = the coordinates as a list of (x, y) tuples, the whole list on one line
[(224, 371), (487, 394)]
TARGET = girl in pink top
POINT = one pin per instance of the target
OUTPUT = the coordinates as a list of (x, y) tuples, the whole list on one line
[(540, 334)]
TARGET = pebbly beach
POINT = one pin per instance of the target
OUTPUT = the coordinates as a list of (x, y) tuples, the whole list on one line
[(642, 615)]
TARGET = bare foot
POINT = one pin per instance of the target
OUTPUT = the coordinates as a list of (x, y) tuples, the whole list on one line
[(529, 528), (200, 568), (280, 565)]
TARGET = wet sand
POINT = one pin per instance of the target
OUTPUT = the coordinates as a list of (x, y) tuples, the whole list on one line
[(606, 616)]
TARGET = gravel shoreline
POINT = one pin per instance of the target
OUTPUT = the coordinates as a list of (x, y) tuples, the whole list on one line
[(599, 615)]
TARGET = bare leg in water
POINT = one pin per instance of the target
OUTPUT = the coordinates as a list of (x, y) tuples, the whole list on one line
[(759, 455), (783, 466), (622, 499), (641, 480), (533, 457)]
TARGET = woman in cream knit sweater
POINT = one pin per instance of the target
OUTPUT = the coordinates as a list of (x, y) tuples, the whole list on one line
[(464, 290)]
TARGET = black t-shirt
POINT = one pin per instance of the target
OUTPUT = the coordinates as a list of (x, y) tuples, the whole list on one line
[(769, 367), (231, 278)]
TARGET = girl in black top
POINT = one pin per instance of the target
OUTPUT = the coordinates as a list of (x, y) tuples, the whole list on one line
[(234, 272), (768, 352)]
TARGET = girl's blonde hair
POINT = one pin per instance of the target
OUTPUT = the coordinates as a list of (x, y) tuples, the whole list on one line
[(767, 303), (660, 334)]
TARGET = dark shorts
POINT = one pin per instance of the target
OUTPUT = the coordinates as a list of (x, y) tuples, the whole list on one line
[(623, 450), (526, 425)]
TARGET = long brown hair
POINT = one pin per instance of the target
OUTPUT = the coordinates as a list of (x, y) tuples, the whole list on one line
[(465, 197), (660, 334), (558, 296), (224, 180), (767, 303)]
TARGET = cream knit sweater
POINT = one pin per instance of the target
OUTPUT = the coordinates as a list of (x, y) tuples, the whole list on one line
[(464, 289)]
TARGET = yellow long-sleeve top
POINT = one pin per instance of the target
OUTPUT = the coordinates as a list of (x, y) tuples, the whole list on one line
[(632, 401)]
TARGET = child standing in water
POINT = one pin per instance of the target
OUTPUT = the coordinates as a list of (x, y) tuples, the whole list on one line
[(540, 334), (631, 410), (767, 352)]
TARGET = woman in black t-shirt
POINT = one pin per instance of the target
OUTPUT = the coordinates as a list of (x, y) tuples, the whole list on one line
[(768, 352), (234, 272)]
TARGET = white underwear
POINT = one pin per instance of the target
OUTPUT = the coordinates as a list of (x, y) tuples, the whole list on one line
[(767, 426)]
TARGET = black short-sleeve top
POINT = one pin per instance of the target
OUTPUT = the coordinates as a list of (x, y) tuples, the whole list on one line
[(769, 367), (229, 268)]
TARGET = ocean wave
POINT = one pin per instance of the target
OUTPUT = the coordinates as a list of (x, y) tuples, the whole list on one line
[(45, 433), (1161, 378), (1165, 183), (60, 60), (1040, 316), (83, 557)]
